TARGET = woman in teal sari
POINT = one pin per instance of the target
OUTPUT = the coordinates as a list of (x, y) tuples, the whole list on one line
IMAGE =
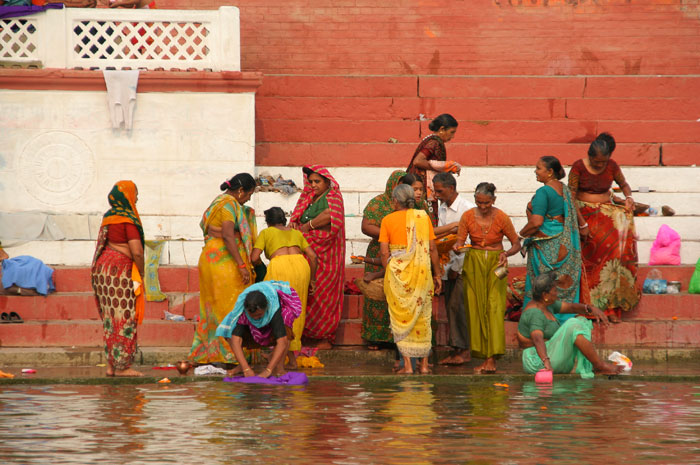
[(552, 236), (560, 348)]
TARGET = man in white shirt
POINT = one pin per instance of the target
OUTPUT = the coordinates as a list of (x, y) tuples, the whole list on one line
[(450, 211)]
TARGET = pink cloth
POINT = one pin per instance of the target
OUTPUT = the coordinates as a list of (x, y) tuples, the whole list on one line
[(666, 249)]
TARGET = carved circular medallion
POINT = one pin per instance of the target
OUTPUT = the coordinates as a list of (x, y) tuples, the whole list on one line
[(56, 167)]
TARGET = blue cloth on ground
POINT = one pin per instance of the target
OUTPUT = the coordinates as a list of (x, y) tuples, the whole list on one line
[(27, 272), (291, 378)]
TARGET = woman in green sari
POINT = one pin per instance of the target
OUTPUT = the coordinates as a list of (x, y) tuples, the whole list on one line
[(552, 236), (561, 348)]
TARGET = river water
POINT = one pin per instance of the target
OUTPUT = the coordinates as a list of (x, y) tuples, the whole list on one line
[(411, 421)]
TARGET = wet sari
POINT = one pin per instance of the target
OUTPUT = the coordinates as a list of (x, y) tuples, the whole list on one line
[(408, 286), (220, 281), (375, 313), (117, 282), (557, 249), (324, 306)]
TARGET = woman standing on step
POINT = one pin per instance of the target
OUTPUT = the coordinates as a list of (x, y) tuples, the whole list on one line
[(375, 313), (117, 268), (291, 260), (552, 236), (484, 291), (225, 268), (320, 216), (407, 248), (609, 249), (430, 158)]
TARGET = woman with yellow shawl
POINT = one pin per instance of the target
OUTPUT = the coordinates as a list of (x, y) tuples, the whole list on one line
[(225, 268), (407, 248), (117, 268)]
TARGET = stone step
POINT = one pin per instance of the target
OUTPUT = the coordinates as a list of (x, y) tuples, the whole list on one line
[(184, 279), (88, 333), (82, 306), (668, 334)]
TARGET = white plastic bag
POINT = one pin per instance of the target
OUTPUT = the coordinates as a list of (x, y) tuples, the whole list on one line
[(618, 359), (173, 316), (208, 370)]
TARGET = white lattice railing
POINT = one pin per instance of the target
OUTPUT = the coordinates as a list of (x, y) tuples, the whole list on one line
[(109, 38)]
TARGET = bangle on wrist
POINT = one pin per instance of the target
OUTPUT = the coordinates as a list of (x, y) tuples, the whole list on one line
[(583, 226), (311, 224), (545, 359), (242, 265), (267, 369), (247, 369), (589, 310)]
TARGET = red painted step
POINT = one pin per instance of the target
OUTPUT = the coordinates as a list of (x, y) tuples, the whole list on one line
[(88, 333), (81, 306)]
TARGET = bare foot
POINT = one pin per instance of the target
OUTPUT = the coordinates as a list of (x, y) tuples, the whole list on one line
[(234, 371), (292, 365), (614, 319), (128, 372), (404, 371), (110, 372), (324, 345), (279, 372)]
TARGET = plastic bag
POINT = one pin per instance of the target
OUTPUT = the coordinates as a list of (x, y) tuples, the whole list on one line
[(621, 360), (654, 284), (666, 249), (209, 370), (173, 317), (694, 286)]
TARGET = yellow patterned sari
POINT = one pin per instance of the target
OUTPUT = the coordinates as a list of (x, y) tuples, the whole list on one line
[(408, 285), (220, 281)]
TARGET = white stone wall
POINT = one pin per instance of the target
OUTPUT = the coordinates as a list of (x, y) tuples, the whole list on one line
[(677, 187), (60, 155)]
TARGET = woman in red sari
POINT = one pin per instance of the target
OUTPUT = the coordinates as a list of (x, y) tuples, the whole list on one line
[(609, 250), (117, 268), (320, 216), (430, 158)]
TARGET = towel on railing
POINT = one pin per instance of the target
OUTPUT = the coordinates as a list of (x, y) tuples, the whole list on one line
[(121, 96)]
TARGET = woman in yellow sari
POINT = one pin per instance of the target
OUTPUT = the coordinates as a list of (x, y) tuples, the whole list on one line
[(291, 260), (225, 268), (407, 248)]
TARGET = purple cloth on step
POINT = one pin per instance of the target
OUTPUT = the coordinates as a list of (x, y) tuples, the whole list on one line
[(292, 378), (16, 11)]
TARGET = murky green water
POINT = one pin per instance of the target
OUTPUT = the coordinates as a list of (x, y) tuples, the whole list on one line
[(396, 422)]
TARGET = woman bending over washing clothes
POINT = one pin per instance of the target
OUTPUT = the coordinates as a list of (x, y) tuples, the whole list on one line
[(320, 216), (552, 236), (225, 268), (430, 158), (550, 345), (262, 317), (117, 270), (407, 248), (484, 291), (609, 249), (291, 260)]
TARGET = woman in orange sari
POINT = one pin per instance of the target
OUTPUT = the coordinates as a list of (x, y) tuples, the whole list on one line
[(117, 268), (320, 216), (225, 268)]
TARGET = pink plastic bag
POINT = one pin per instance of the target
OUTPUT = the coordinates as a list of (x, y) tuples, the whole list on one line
[(666, 249)]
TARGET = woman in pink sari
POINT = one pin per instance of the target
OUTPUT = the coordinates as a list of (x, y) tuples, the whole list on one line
[(320, 216)]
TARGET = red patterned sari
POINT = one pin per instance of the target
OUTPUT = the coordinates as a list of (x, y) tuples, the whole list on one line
[(116, 281), (610, 251), (325, 304)]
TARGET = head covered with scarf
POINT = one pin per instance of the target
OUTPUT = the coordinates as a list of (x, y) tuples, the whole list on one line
[(122, 200)]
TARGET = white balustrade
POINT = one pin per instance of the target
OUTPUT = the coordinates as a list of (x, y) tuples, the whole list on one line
[(118, 38)]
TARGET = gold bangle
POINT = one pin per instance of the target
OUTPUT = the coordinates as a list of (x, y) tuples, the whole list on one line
[(311, 223), (247, 369)]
